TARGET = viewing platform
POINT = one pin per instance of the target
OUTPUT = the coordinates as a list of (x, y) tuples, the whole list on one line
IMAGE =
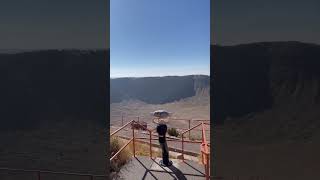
[(145, 168)]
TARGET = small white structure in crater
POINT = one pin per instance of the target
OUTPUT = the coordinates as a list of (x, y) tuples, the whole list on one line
[(160, 115)]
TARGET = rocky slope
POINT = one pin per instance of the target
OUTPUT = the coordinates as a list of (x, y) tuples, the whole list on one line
[(257, 77), (158, 90)]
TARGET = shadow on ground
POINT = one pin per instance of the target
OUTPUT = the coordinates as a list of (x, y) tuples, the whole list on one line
[(144, 168)]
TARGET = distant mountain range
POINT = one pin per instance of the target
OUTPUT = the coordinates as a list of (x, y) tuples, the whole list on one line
[(247, 78), (158, 90), (257, 77)]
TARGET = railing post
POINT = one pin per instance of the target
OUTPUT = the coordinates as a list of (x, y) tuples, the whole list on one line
[(182, 147), (202, 133), (202, 158), (122, 120), (189, 128), (133, 143), (91, 177), (207, 172), (150, 145)]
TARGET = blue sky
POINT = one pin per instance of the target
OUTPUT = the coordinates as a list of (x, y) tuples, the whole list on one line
[(159, 37)]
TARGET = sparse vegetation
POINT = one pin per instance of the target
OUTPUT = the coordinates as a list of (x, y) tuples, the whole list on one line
[(173, 132), (143, 150), (122, 158)]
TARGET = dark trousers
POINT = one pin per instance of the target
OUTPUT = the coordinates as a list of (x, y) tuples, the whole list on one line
[(165, 153)]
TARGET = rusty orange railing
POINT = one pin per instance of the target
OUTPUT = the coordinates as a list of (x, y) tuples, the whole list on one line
[(171, 119), (131, 140), (205, 153), (204, 145)]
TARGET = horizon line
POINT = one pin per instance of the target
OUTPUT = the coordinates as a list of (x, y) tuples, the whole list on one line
[(159, 76), (265, 41)]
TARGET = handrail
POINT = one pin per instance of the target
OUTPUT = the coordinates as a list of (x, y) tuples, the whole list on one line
[(132, 139), (203, 147), (183, 129), (171, 119), (121, 128), (92, 176), (116, 154), (187, 141), (203, 143), (205, 153), (182, 119), (123, 117), (150, 138), (132, 117), (190, 129)]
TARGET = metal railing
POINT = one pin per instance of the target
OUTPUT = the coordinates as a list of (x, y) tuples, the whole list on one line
[(205, 153), (137, 118), (124, 117), (204, 145), (38, 173), (131, 140)]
